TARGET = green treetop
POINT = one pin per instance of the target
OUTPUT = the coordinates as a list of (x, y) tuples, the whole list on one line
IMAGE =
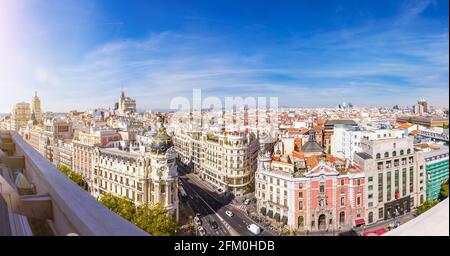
[(155, 220), (444, 190), (120, 205)]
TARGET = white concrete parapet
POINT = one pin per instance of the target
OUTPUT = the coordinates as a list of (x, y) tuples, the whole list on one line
[(73, 210), (434, 222)]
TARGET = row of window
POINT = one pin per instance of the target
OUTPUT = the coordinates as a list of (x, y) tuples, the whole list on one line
[(388, 164), (394, 153), (119, 179), (396, 184)]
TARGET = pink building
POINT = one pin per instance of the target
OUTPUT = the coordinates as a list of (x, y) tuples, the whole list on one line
[(306, 189), (329, 196)]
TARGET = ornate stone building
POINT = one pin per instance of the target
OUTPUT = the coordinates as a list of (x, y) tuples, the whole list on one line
[(305, 188), (36, 110), (143, 177), (126, 104), (226, 159)]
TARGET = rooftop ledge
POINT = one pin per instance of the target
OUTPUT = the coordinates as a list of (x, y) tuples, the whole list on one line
[(73, 210), (434, 222)]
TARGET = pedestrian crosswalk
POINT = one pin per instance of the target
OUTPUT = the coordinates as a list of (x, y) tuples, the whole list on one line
[(241, 207)]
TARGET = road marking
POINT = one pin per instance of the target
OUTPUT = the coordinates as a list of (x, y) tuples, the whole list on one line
[(229, 228), (243, 217), (201, 183)]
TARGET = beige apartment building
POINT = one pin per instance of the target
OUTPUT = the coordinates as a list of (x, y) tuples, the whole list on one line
[(188, 145), (226, 160), (84, 145), (36, 138), (20, 115), (46, 138), (395, 176), (63, 153)]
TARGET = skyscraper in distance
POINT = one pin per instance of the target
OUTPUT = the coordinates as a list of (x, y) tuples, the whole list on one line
[(36, 108)]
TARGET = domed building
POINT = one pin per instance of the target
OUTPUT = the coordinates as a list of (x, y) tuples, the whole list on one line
[(147, 176), (161, 142), (164, 174), (311, 147)]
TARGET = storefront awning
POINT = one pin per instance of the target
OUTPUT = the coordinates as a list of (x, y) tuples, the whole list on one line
[(270, 213), (377, 232), (359, 222), (284, 219)]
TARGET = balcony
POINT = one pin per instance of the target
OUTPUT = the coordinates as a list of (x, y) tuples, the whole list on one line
[(53, 199)]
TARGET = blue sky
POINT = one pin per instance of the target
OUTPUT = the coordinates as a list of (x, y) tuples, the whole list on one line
[(78, 53)]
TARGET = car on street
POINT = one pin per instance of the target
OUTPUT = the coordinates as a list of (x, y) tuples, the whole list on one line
[(213, 224), (229, 213), (255, 229), (197, 221), (247, 201), (201, 231)]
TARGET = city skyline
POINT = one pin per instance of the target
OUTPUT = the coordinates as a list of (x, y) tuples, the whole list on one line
[(237, 102), (237, 119), (370, 54)]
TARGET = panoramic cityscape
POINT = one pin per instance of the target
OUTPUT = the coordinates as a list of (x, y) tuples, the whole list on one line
[(266, 124)]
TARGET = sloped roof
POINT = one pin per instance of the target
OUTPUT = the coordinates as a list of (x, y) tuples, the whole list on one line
[(312, 161), (312, 146), (405, 125), (340, 121), (321, 169), (364, 155)]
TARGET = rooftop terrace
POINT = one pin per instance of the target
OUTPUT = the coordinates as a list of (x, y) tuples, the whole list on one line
[(53, 199)]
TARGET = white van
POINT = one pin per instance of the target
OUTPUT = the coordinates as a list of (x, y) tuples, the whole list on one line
[(255, 229)]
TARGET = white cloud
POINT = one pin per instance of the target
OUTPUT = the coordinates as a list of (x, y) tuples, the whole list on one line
[(377, 63)]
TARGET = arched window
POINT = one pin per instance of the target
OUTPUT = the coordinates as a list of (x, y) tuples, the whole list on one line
[(386, 154), (402, 152), (300, 222), (394, 153), (408, 151), (322, 222), (370, 217), (378, 156), (342, 217)]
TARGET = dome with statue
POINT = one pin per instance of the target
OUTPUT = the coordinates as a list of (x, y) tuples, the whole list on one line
[(161, 141)]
